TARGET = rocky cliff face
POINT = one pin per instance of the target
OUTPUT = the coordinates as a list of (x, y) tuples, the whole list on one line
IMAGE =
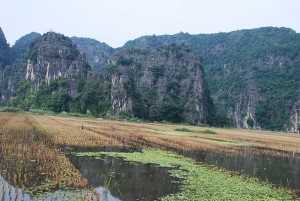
[(54, 56), (253, 75), (96, 52), (295, 118), (49, 58), (165, 83)]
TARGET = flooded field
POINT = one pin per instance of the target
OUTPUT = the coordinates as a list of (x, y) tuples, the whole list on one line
[(116, 179), (112, 180), (35, 163), (279, 169)]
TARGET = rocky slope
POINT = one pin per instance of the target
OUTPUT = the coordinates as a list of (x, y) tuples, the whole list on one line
[(164, 83), (253, 75), (96, 52)]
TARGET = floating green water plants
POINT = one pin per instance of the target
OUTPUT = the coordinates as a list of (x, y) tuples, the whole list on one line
[(203, 183)]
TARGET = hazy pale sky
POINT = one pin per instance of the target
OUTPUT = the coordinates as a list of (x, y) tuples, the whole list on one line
[(117, 21)]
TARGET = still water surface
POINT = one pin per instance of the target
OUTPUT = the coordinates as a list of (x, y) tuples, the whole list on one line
[(116, 179), (281, 170)]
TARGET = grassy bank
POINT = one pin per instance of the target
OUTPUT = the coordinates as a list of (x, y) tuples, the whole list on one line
[(203, 183)]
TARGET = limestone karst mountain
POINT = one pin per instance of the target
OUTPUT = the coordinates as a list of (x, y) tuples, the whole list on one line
[(253, 75), (164, 83)]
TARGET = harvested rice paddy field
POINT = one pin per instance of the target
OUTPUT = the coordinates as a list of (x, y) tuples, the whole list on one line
[(67, 158)]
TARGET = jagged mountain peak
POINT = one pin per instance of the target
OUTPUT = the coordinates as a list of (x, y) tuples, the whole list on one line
[(49, 58), (53, 46), (54, 55)]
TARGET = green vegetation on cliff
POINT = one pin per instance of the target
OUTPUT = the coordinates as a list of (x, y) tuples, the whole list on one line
[(253, 75), (164, 83)]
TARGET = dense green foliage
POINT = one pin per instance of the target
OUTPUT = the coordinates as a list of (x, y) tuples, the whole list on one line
[(54, 97), (280, 90)]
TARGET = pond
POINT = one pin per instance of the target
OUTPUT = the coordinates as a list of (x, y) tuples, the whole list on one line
[(281, 170), (116, 179)]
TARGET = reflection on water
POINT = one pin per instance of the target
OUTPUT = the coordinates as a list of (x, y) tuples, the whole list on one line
[(116, 179), (106, 194), (8, 192), (280, 170)]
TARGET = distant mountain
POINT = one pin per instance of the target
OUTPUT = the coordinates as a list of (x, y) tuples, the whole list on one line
[(253, 75), (96, 52), (22, 45)]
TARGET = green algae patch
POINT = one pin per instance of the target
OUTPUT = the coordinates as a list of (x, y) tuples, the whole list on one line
[(200, 182)]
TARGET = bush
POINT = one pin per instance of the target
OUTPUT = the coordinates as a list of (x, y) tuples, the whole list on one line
[(193, 131), (10, 109), (124, 61), (157, 71), (183, 130), (208, 132)]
